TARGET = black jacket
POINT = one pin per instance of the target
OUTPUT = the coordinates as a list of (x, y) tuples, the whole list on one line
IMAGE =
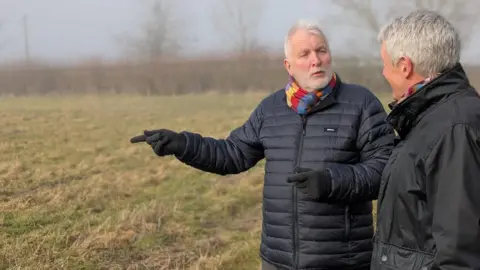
[(347, 134), (429, 202)]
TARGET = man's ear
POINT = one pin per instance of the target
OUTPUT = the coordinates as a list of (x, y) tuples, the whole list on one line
[(287, 66), (406, 66)]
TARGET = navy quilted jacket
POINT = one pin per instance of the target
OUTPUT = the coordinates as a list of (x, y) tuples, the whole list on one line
[(346, 134)]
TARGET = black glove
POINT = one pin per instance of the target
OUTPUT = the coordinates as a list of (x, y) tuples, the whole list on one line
[(316, 184), (163, 141)]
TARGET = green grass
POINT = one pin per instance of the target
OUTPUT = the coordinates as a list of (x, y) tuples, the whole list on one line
[(77, 195)]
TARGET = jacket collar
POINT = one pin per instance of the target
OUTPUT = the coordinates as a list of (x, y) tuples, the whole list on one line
[(405, 115)]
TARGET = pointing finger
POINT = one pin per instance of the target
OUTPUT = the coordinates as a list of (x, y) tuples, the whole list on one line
[(139, 138)]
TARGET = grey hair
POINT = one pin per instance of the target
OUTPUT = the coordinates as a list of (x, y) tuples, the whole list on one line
[(427, 38), (310, 26)]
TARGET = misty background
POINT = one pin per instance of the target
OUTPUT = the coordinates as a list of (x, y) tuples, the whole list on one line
[(108, 32), (60, 30)]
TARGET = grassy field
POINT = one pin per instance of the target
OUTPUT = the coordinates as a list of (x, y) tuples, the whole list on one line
[(77, 195)]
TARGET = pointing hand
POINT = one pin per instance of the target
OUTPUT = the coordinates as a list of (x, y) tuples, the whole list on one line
[(163, 141)]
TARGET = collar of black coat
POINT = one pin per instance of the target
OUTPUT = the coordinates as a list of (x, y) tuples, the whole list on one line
[(405, 115), (329, 100)]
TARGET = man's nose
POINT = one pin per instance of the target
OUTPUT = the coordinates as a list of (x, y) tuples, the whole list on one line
[(315, 60)]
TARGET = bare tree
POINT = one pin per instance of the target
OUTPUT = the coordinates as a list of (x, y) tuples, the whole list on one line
[(369, 15), (159, 36), (237, 22)]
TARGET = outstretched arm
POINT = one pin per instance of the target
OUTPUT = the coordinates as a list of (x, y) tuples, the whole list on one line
[(453, 188), (240, 151), (361, 181)]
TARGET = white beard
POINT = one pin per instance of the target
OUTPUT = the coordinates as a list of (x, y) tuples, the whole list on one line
[(325, 81)]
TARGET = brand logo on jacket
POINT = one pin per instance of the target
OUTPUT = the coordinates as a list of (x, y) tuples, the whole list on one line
[(330, 129)]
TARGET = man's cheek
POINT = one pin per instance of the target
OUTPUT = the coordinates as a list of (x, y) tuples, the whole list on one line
[(302, 65), (327, 61)]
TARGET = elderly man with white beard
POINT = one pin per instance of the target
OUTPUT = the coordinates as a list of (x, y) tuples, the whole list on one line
[(325, 142)]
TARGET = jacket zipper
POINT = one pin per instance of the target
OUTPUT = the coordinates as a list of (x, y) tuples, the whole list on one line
[(295, 213)]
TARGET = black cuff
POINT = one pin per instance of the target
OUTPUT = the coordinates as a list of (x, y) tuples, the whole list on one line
[(324, 184), (181, 144)]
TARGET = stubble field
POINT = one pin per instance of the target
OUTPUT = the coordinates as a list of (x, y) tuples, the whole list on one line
[(77, 195)]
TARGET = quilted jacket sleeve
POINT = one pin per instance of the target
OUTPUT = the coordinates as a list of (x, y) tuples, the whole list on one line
[(240, 151), (361, 181)]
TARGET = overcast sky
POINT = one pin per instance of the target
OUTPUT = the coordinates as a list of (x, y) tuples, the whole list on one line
[(63, 30)]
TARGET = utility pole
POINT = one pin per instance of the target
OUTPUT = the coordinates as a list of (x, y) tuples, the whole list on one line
[(26, 38)]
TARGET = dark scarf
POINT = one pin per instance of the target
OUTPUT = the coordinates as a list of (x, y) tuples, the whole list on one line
[(301, 100)]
